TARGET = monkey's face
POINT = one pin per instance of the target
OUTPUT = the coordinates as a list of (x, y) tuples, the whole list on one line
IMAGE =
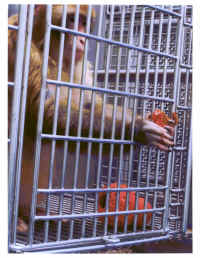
[(80, 41), (57, 12)]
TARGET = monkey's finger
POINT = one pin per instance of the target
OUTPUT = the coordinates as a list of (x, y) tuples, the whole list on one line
[(170, 130), (166, 142), (159, 139), (21, 226), (171, 122), (157, 130), (163, 132), (153, 128), (148, 116), (160, 146)]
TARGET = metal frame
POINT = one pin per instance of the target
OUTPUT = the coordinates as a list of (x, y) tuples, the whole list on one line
[(164, 227)]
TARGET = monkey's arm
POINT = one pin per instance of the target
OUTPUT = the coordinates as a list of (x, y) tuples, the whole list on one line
[(147, 132)]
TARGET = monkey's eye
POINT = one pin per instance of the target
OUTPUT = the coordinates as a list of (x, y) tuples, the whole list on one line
[(71, 19), (84, 23), (82, 20)]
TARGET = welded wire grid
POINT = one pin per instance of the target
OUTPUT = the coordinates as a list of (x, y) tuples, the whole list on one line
[(146, 64)]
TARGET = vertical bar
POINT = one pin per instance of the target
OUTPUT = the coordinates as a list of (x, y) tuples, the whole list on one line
[(148, 56), (177, 87), (179, 48), (103, 113), (177, 80), (40, 121), (188, 183), (15, 114), (155, 90), (79, 127), (127, 83), (146, 92), (114, 115), (68, 116), (93, 106), (81, 111), (137, 82), (169, 156), (190, 50), (79, 120), (189, 163), (57, 96), (157, 57), (61, 52), (169, 26), (23, 110)]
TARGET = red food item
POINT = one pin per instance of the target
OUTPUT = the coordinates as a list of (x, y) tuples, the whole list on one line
[(160, 118), (122, 207)]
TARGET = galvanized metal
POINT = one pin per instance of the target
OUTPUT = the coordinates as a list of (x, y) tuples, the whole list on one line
[(112, 42), (15, 116), (40, 122), (104, 90), (164, 10), (22, 116), (159, 177)]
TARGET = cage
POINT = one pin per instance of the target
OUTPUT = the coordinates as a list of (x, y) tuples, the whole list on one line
[(142, 59)]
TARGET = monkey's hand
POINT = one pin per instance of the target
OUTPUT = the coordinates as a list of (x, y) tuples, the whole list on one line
[(148, 132)]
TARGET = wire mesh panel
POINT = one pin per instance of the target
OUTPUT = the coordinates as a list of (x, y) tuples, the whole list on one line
[(102, 191)]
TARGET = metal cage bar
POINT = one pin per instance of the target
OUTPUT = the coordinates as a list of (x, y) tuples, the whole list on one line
[(131, 70), (15, 114), (40, 123), (22, 114)]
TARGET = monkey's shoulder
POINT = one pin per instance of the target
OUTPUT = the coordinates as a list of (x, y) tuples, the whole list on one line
[(13, 20)]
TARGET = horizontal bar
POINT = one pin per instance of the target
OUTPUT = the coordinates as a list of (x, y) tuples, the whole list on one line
[(133, 71), (177, 190), (100, 214), (109, 91), (176, 204), (83, 139), (179, 148), (186, 66), (13, 27), (175, 218), (95, 190), (73, 242), (184, 108), (188, 25), (139, 241), (11, 84), (112, 42), (164, 10), (104, 246), (96, 140)]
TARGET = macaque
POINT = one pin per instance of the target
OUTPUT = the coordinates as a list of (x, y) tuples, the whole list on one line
[(146, 132)]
